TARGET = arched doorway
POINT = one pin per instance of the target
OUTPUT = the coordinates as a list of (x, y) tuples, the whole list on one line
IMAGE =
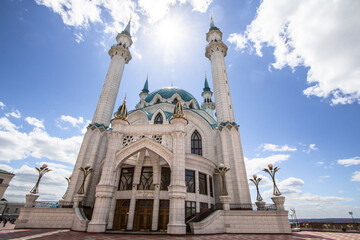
[(141, 198)]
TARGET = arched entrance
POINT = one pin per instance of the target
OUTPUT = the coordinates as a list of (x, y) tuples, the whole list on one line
[(142, 202)]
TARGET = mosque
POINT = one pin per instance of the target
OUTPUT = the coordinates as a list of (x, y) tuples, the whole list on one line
[(170, 164)]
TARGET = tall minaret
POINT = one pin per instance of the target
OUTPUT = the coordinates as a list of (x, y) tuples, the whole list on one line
[(91, 153), (216, 52), (207, 105), (231, 150), (120, 55)]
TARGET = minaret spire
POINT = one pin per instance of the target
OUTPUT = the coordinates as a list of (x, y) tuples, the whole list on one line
[(143, 94), (207, 105), (146, 85), (127, 29)]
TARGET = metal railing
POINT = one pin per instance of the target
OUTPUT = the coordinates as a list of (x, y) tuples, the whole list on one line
[(46, 204), (252, 207)]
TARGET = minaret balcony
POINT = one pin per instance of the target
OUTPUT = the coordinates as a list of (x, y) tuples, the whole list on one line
[(120, 50), (215, 47)]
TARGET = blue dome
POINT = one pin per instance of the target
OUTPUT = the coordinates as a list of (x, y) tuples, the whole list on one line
[(168, 92)]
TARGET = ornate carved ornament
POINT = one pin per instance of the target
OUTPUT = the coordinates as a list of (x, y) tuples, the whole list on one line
[(121, 51), (215, 47)]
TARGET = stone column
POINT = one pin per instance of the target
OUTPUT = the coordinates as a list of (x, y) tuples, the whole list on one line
[(177, 188), (155, 216), (131, 215), (106, 187), (197, 192)]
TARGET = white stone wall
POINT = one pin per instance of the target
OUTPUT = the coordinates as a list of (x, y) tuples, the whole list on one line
[(4, 185), (46, 218), (243, 222)]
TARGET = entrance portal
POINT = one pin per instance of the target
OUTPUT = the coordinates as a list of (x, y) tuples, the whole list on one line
[(121, 214), (163, 215), (143, 215)]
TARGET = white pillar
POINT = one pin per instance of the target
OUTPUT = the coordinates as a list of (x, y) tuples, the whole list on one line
[(105, 107), (197, 191), (177, 188), (106, 187), (131, 215), (155, 216)]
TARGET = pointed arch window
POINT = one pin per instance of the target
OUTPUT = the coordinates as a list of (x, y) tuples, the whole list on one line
[(175, 101), (196, 145), (158, 119)]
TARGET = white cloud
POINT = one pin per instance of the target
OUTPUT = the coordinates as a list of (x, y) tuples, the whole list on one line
[(255, 165), (277, 148), (15, 114), (156, 10), (320, 163), (79, 37), (84, 129), (312, 147), (321, 35), (356, 177), (75, 122), (17, 145), (321, 178), (2, 105), (6, 125), (349, 162), (35, 122), (308, 204), (77, 13)]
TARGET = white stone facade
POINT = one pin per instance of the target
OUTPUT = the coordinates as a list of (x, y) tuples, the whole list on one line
[(154, 172)]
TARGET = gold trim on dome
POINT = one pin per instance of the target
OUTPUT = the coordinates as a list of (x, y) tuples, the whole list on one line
[(121, 112)]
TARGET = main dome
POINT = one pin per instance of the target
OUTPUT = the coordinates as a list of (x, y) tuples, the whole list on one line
[(168, 92)]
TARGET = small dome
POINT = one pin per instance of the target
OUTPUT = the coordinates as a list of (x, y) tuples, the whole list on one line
[(168, 92)]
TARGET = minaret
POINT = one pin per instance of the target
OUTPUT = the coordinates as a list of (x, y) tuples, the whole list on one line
[(216, 52), (143, 94), (207, 105), (231, 150), (120, 55)]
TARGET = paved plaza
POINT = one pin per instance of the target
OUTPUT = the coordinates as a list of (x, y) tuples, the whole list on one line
[(65, 234)]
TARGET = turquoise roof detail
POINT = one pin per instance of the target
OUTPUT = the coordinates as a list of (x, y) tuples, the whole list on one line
[(146, 86), (168, 92), (126, 31), (212, 25), (5, 172), (206, 86)]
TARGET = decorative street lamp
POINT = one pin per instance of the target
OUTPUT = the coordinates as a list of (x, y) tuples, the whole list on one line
[(271, 171), (86, 171), (351, 214), (68, 181), (222, 170), (42, 170), (256, 181)]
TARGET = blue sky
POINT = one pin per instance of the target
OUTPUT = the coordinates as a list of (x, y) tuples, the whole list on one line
[(293, 69)]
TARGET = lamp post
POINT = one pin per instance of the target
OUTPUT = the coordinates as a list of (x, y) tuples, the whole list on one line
[(68, 181), (271, 171), (86, 171), (295, 218), (222, 170), (42, 170), (351, 214), (256, 181)]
